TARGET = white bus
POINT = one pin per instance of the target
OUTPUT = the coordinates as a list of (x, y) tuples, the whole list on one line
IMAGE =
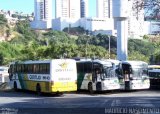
[(133, 75), (4, 76), (96, 75), (48, 76), (154, 75)]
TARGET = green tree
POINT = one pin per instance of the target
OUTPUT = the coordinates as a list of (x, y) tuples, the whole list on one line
[(1, 59), (135, 55)]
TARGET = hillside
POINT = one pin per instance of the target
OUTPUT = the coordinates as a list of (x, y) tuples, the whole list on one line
[(23, 43)]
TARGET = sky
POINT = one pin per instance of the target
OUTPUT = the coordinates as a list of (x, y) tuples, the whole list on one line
[(27, 6)]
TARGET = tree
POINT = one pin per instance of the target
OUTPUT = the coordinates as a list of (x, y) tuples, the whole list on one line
[(151, 7), (1, 59), (135, 55), (3, 20)]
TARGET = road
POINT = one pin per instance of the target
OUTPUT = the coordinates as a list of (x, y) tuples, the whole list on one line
[(81, 102)]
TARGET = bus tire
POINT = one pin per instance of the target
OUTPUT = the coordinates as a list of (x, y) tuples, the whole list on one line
[(38, 90), (15, 86), (90, 88)]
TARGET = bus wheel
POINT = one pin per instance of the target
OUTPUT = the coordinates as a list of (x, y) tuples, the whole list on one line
[(15, 86), (90, 88), (38, 90)]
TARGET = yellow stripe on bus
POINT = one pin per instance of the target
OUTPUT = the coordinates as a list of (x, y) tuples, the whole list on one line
[(46, 87)]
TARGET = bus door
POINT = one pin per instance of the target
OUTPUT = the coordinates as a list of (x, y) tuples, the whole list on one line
[(97, 76), (85, 75), (126, 75)]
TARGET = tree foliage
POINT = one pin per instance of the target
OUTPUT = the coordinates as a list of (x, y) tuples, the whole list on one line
[(151, 7)]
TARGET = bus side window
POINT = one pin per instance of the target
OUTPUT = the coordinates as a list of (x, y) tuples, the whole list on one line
[(80, 68), (41, 68), (30, 68), (88, 67), (14, 68), (37, 69), (22, 68), (48, 68), (25, 68), (44, 68), (18, 68)]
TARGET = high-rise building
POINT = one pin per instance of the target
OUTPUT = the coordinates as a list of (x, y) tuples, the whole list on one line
[(84, 8), (67, 8), (42, 14), (104, 8), (43, 9)]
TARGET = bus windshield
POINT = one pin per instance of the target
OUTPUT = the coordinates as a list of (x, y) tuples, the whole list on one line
[(108, 72), (139, 72)]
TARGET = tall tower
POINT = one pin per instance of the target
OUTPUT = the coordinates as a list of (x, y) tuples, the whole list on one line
[(121, 14), (67, 8), (84, 8), (43, 9), (104, 8)]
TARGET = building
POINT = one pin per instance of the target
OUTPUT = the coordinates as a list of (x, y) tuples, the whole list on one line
[(104, 8), (42, 14), (67, 8), (60, 23), (93, 25), (84, 8), (152, 27)]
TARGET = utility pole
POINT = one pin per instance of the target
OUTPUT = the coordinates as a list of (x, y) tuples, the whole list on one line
[(109, 49)]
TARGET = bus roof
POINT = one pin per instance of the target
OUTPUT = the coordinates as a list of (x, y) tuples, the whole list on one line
[(40, 61), (114, 61), (103, 62), (134, 63)]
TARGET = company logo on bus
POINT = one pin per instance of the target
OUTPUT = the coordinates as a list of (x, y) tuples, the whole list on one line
[(64, 65), (64, 68)]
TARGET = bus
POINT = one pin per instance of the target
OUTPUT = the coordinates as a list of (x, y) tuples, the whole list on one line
[(44, 76), (133, 75), (4, 76), (96, 75), (154, 75)]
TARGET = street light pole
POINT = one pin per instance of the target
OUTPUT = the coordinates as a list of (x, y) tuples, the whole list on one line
[(86, 47), (109, 46)]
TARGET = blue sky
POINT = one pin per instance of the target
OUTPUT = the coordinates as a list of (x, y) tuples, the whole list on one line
[(27, 6)]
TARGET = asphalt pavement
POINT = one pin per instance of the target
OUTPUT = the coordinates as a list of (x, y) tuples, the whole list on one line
[(133, 102)]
